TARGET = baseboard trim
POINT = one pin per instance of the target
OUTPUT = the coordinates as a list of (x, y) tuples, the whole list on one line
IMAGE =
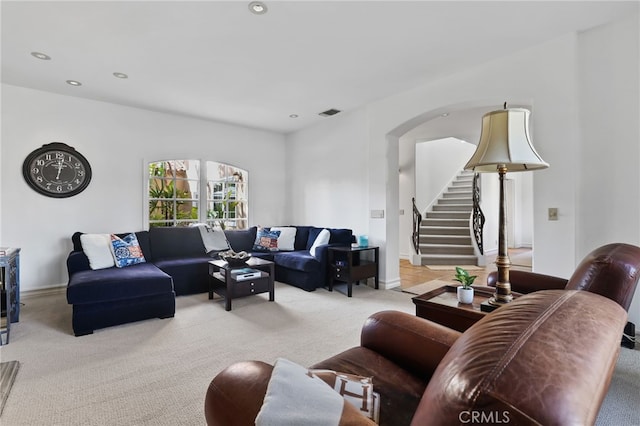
[(388, 285), (47, 291)]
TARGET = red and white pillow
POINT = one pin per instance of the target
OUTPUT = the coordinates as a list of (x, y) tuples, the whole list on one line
[(108, 250)]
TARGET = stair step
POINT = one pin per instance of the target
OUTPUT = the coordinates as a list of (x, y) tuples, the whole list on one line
[(454, 200), (444, 239), (457, 194), (459, 223), (453, 207), (435, 259), (448, 215), (446, 249), (444, 230), (444, 236), (457, 189)]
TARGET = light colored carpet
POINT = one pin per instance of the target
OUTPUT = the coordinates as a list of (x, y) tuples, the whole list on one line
[(621, 406), (156, 372)]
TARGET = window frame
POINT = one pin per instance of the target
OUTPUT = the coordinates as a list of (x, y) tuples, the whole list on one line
[(228, 205), (201, 202)]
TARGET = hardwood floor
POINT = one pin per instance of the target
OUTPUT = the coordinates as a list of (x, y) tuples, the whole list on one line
[(411, 275)]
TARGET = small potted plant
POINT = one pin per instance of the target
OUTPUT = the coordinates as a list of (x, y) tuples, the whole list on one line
[(465, 291)]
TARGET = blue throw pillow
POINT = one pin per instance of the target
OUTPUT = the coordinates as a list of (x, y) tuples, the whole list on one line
[(266, 240), (126, 250)]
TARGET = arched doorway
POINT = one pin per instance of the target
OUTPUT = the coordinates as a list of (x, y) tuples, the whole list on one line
[(462, 121)]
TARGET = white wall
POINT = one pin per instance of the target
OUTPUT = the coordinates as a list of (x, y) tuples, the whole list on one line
[(608, 197), (116, 140), (608, 202), (437, 164), (327, 174), (407, 191), (583, 89)]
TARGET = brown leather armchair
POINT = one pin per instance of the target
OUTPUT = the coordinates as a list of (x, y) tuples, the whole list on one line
[(612, 270), (546, 358)]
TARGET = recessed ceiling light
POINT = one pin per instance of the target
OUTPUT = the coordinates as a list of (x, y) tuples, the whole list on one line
[(258, 7), (120, 75), (40, 55), (444, 114), (74, 83), (293, 116)]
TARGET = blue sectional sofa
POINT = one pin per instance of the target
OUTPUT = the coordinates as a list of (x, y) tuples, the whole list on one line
[(298, 267), (176, 264)]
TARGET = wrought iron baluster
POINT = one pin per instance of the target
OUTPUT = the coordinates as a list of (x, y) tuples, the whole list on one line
[(417, 220), (478, 216)]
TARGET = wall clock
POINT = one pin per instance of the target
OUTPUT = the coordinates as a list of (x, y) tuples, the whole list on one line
[(57, 170)]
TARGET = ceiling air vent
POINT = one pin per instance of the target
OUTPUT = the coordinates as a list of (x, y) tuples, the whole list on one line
[(329, 112)]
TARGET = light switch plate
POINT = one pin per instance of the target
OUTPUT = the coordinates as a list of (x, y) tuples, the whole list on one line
[(377, 214), (553, 213)]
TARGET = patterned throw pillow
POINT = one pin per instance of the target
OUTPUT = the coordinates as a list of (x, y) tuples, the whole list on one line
[(357, 390), (126, 251), (266, 240)]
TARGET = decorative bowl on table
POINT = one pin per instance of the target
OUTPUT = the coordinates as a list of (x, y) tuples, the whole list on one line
[(233, 258)]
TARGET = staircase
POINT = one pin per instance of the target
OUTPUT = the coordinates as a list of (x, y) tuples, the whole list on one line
[(445, 238)]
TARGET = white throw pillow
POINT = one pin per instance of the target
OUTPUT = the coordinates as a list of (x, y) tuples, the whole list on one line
[(214, 239), (294, 397), (321, 239), (287, 238), (97, 247)]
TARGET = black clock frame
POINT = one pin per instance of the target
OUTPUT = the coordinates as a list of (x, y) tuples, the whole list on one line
[(50, 147)]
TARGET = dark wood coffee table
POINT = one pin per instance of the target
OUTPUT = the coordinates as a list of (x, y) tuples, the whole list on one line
[(222, 282), (441, 305)]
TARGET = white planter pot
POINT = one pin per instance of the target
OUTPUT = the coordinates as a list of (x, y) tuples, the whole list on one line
[(465, 295)]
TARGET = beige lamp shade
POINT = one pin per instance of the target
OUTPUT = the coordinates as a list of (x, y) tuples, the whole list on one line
[(505, 142)]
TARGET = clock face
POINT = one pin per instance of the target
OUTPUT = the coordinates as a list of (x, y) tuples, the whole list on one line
[(57, 170)]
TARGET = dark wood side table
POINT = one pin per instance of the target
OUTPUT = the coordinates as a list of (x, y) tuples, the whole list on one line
[(347, 265), (441, 305), (222, 282)]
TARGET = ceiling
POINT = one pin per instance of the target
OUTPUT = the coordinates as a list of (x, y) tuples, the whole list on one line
[(215, 60)]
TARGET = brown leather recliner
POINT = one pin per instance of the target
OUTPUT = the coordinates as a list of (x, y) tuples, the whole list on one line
[(612, 270), (544, 359)]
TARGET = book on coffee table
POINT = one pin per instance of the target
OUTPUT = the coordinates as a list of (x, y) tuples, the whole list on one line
[(245, 274)]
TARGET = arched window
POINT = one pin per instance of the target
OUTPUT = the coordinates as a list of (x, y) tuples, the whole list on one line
[(227, 203), (175, 188)]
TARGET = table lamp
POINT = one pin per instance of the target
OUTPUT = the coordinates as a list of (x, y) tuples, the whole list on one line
[(504, 147)]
